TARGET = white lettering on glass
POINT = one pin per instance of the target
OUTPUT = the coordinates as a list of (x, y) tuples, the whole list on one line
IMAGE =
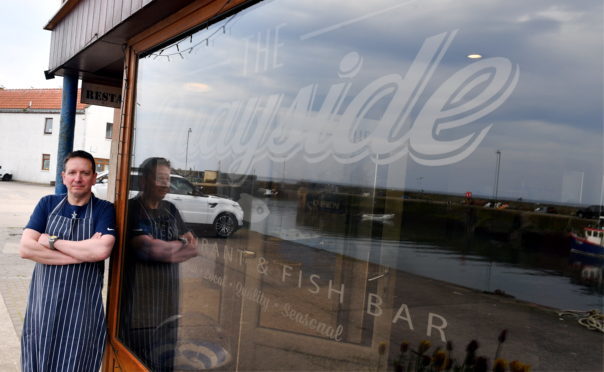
[(440, 327), (249, 131), (263, 50), (374, 303), (307, 321), (399, 315)]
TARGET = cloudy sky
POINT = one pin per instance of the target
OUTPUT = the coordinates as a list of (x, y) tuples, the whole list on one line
[(536, 96), (25, 44)]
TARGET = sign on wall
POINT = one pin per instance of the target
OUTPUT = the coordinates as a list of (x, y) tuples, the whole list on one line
[(101, 95)]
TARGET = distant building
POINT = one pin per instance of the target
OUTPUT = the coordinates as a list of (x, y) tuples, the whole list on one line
[(30, 123)]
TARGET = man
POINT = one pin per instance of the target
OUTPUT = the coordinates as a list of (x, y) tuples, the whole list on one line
[(68, 236), (158, 240)]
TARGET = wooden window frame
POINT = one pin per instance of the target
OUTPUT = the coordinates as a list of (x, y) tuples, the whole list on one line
[(45, 157), (109, 130), (46, 120), (101, 161), (117, 356)]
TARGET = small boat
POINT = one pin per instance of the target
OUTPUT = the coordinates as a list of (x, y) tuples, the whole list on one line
[(592, 241), (377, 217)]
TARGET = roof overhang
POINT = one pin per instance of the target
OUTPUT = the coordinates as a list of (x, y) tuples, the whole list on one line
[(102, 60)]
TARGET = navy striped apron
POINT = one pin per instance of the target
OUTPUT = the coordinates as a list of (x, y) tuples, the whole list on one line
[(151, 328), (64, 328)]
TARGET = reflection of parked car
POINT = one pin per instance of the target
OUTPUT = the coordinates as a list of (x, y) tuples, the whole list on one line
[(225, 215), (546, 209), (5, 175), (268, 192), (593, 211)]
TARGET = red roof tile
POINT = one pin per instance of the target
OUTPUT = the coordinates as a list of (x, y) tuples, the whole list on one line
[(35, 99)]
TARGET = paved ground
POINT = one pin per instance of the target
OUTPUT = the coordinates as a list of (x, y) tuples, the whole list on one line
[(17, 201)]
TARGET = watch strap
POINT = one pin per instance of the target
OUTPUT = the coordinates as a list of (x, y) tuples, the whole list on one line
[(51, 242)]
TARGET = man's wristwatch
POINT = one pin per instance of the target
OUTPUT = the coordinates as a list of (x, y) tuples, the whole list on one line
[(51, 241)]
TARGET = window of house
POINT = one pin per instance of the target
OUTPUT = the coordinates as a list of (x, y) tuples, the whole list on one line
[(48, 126), (45, 161), (101, 164), (109, 131)]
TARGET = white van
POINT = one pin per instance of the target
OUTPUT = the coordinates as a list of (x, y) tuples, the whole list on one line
[(5, 175)]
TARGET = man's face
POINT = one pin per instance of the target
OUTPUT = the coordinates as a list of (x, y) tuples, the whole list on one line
[(158, 184), (78, 177)]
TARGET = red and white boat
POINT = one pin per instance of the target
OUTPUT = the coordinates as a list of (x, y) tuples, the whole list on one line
[(592, 241)]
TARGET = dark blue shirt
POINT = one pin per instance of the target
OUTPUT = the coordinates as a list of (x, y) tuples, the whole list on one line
[(103, 213)]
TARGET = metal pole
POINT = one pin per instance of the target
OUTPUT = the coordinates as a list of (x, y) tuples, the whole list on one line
[(187, 154), (66, 132), (375, 180), (497, 168)]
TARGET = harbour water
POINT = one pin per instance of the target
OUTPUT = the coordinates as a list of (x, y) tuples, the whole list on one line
[(551, 278)]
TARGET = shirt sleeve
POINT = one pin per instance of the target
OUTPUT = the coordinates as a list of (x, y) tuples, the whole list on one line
[(38, 219), (105, 220)]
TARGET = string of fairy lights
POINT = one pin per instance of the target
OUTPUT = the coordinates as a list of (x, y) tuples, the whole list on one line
[(178, 49)]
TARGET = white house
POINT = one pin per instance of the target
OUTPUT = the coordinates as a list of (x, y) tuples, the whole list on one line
[(30, 123)]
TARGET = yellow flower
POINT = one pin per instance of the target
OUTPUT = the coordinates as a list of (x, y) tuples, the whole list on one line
[(500, 365), (424, 345), (439, 359), (517, 366)]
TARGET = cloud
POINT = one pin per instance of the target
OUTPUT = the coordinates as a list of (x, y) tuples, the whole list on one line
[(197, 87)]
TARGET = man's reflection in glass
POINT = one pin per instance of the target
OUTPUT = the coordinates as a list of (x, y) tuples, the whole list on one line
[(158, 241)]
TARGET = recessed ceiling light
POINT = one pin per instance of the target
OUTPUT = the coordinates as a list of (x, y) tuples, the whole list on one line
[(474, 56)]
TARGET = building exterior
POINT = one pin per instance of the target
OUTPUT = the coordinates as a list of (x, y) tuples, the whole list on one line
[(393, 161), (30, 119)]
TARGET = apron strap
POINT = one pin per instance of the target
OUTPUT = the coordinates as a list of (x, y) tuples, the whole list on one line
[(58, 207)]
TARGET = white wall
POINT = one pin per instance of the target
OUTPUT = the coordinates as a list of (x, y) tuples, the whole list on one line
[(22, 141), (93, 137)]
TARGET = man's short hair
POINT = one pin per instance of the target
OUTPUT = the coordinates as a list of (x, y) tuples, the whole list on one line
[(147, 168), (80, 154)]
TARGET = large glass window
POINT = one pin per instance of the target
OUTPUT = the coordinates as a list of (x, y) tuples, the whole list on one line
[(343, 185)]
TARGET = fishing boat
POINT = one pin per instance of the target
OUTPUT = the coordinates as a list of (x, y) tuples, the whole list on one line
[(592, 241)]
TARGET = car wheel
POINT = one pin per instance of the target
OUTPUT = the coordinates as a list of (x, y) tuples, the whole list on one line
[(224, 225), (7, 177)]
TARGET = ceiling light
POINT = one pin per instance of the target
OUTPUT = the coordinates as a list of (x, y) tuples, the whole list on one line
[(474, 56)]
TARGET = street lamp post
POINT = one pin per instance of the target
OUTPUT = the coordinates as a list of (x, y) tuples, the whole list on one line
[(187, 150), (497, 169)]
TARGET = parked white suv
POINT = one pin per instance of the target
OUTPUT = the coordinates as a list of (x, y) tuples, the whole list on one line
[(224, 215)]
